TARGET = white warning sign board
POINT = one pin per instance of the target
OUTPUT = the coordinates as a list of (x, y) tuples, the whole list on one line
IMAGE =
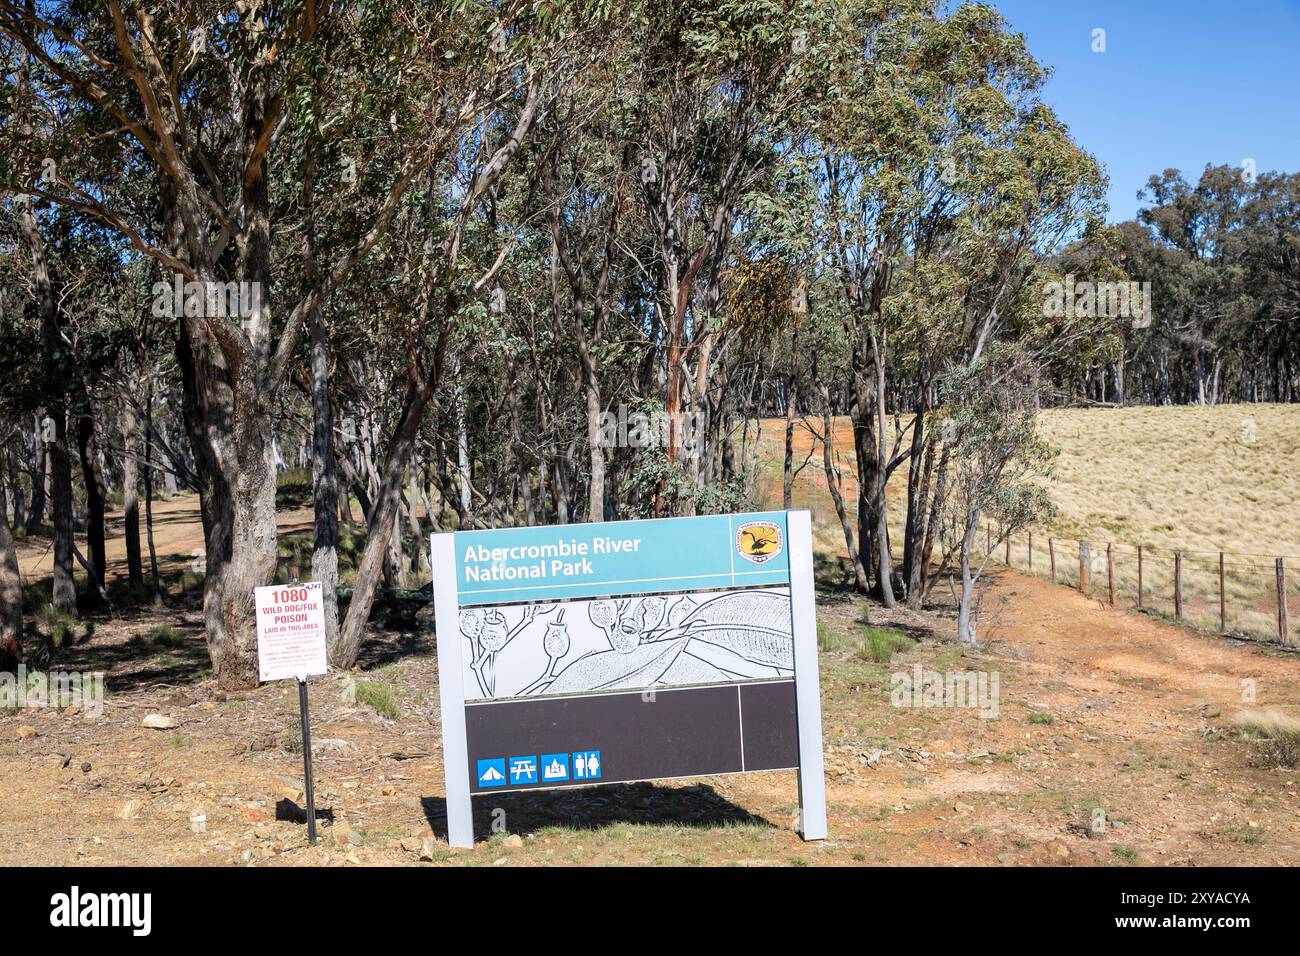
[(290, 631)]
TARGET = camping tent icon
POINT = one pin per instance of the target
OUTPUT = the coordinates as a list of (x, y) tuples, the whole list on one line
[(491, 775)]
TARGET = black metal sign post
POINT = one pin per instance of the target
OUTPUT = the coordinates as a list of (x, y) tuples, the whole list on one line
[(291, 643), (306, 759)]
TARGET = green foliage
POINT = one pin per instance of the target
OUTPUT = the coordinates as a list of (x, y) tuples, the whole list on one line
[(293, 489), (880, 644), (1125, 854), (60, 628), (999, 461), (381, 697), (159, 638), (660, 485)]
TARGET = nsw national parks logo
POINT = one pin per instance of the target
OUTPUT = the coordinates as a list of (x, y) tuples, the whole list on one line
[(759, 541)]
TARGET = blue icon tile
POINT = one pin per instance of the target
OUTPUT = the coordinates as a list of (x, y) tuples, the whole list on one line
[(523, 770), (555, 768), (586, 765), (492, 772)]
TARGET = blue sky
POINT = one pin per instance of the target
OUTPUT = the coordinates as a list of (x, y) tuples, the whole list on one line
[(1180, 84)]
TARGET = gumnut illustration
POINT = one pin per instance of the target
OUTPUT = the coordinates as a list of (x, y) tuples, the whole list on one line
[(556, 641), (471, 623), (626, 635), (680, 611), (652, 613), (604, 614), (495, 632)]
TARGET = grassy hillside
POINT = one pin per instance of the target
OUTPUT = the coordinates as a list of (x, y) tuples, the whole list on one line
[(1225, 478), (1198, 480)]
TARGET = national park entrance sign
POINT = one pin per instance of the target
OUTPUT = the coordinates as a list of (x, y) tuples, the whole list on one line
[(623, 651)]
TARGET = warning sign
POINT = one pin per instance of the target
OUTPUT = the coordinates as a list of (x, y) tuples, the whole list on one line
[(290, 631)]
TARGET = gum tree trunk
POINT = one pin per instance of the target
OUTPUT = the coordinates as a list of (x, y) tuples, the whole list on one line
[(11, 593), (64, 596), (93, 479), (343, 653), (36, 514), (238, 497), (325, 484), (965, 626), (130, 494)]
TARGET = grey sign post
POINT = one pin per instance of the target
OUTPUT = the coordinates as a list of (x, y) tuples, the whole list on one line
[(608, 653), (455, 759), (812, 779)]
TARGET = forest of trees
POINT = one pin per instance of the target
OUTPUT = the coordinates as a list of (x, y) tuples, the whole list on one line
[(434, 254)]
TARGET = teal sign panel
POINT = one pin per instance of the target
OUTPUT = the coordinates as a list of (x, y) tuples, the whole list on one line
[(623, 557)]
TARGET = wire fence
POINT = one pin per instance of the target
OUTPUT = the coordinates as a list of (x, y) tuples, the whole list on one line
[(1242, 595)]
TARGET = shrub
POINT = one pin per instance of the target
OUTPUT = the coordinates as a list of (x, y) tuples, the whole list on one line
[(60, 627)]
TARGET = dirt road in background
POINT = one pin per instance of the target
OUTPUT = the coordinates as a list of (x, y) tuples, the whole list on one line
[(177, 534)]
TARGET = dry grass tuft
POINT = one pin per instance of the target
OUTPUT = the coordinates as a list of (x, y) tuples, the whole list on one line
[(1274, 735)]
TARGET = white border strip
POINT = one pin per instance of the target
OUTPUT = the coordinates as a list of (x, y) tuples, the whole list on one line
[(807, 687), (455, 749)]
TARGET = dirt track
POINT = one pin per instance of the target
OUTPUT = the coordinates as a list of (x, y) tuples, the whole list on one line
[(1132, 720), (177, 531)]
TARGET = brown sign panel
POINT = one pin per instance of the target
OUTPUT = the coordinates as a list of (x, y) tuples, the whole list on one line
[(681, 732)]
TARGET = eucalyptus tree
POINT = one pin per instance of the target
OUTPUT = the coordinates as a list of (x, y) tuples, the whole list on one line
[(713, 81), (529, 54), (944, 177), (586, 169), (999, 461), (201, 98)]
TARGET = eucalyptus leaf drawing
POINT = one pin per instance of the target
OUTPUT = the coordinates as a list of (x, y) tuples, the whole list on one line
[(611, 670), (753, 624)]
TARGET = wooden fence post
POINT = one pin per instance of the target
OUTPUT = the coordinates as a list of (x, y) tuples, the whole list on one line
[(1223, 600), (1085, 565), (1139, 575), (1007, 560), (1282, 626), (1110, 575), (1178, 585), (1051, 556), (1031, 552)]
